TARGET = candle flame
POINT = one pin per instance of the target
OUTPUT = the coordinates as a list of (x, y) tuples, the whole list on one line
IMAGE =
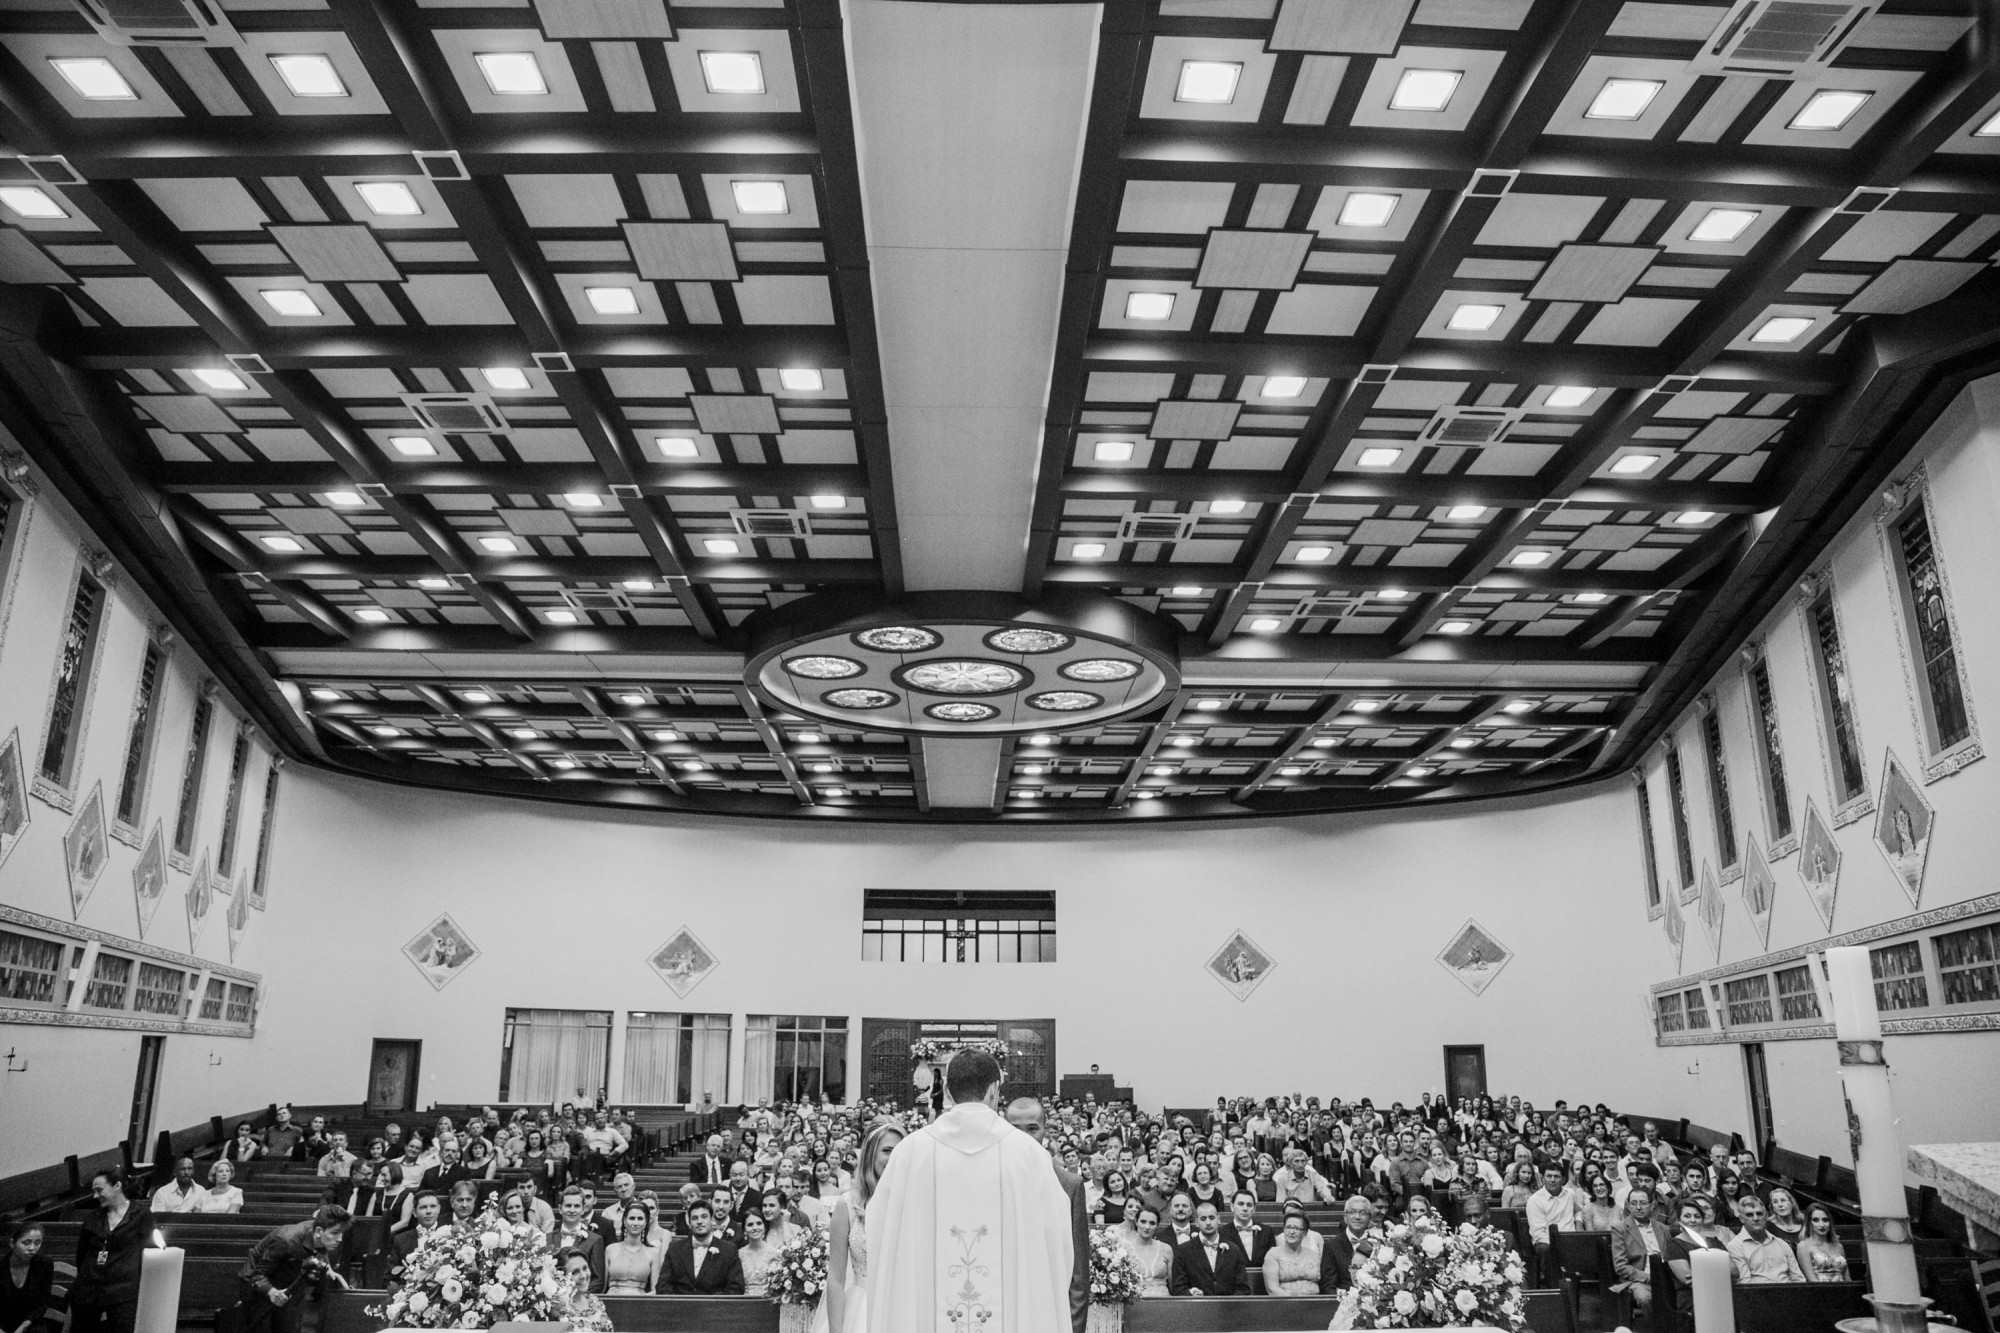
[(159, 1240)]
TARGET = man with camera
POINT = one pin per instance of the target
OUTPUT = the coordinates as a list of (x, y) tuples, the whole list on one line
[(284, 1267)]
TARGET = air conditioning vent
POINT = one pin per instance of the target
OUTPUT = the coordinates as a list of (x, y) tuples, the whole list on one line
[(1329, 606), (158, 22), (771, 522), (587, 600), (464, 413), (1469, 426), (1155, 527), (1781, 39)]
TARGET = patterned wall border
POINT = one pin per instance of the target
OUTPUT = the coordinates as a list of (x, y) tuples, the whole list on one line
[(72, 930), (1819, 580), (1897, 500), (54, 1018)]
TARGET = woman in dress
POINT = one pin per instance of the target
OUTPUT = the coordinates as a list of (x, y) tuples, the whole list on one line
[(1111, 1207), (1154, 1257), (1600, 1211), (1518, 1184), (1728, 1189), (1264, 1183), (479, 1159), (1785, 1217), (631, 1266), (220, 1196), (27, 1282), (1292, 1266), (757, 1257), (1821, 1255), (1204, 1188), (104, 1295), (845, 1309), (244, 1147)]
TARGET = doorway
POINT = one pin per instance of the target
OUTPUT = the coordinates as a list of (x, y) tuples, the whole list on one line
[(1464, 1072), (392, 1076), (145, 1093), (1757, 1079)]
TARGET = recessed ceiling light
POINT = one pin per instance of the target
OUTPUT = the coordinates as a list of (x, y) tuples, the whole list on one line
[(434, 584), (512, 73), (1365, 705), (1143, 795), (282, 544), (1991, 129), (1041, 738), (499, 545), (1185, 590), (1568, 395), (810, 738), (476, 697), (1363, 208), (1149, 305), (1225, 506), (1829, 109), (1623, 99), (1693, 518), (562, 617), (1529, 559), (1393, 594), (1591, 598), (1425, 89), (722, 546), (309, 76), (664, 735), (1628, 464), (389, 199), (1290, 772), (676, 446), (1719, 226), (836, 791), (612, 300), (632, 700), (1475, 318), (326, 695), (1112, 451), (760, 196), (345, 499), (1379, 457), (1266, 624), (1087, 550), (525, 734), (637, 585), (693, 766), (1420, 772), (802, 380), (29, 202), (1210, 81), (584, 500), (1324, 742), (1517, 706), (1465, 513), (1284, 386), (373, 615), (1782, 329), (413, 446), (387, 731), (1182, 742), (1208, 705), (227, 380), (829, 502), (1313, 555), (1464, 742), (828, 768), (1455, 627), (292, 302), (732, 72), (95, 78), (505, 377), (562, 763)]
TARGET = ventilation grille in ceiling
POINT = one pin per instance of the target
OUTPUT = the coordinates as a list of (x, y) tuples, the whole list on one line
[(1469, 426), (588, 600), (1329, 606), (772, 522), (465, 413), (1155, 527), (1782, 39), (158, 22)]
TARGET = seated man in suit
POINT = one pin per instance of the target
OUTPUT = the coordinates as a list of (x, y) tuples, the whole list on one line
[(1336, 1255), (1633, 1244), (1250, 1236), (711, 1168), (574, 1234), (427, 1210), (1178, 1228), (701, 1264), (449, 1170), (1209, 1265)]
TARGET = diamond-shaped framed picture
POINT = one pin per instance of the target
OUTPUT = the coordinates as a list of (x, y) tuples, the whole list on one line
[(1760, 890), (1677, 930), (1819, 863), (683, 961), (149, 878), (1709, 906), (200, 898), (1241, 965), (86, 850), (1474, 956), (1903, 820), (14, 812), (441, 951)]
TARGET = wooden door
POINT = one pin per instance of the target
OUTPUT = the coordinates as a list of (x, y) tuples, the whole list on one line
[(1464, 1072), (392, 1076)]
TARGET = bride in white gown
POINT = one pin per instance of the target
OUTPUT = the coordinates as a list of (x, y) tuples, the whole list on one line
[(845, 1306)]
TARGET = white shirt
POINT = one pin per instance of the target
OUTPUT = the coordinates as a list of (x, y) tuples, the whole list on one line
[(170, 1198)]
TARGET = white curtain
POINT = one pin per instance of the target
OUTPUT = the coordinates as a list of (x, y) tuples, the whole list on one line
[(652, 1056), (556, 1053), (760, 1057), (708, 1065)]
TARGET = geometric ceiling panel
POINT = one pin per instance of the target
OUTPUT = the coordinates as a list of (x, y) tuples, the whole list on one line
[(1253, 259)]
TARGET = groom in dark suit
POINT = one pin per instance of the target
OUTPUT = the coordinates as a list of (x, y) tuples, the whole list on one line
[(701, 1263), (1208, 1265)]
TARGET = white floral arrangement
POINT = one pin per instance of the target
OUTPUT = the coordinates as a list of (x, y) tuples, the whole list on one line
[(1425, 1275), (932, 1048), (488, 1272), (798, 1275), (1114, 1270)]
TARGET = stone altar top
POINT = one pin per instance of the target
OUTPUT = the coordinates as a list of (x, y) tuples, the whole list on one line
[(1966, 1176)]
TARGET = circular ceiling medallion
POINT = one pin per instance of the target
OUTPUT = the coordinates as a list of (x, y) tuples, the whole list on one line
[(1019, 639), (1064, 701), (962, 710), (822, 666), (1101, 669), (899, 639), (853, 698), (962, 676)]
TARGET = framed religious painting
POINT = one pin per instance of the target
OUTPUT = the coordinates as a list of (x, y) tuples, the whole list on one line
[(1819, 863), (149, 877), (14, 814), (1902, 832), (683, 961), (1474, 957), (86, 849), (441, 951), (1241, 965)]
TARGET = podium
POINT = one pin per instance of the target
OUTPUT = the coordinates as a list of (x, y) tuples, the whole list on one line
[(1103, 1087)]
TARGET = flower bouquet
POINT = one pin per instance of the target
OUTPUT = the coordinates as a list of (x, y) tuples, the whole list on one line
[(1425, 1275), (797, 1277), (1114, 1281), (489, 1272)]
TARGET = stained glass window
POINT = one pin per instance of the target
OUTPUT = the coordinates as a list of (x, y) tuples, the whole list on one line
[(1678, 796), (30, 967), (1771, 752), (1945, 713), (1718, 788), (159, 990), (76, 653), (1837, 692), (261, 870), (1898, 970), (232, 805), (139, 744), (1748, 998), (1646, 846), (1797, 1000), (191, 775), (110, 982), (1969, 965)]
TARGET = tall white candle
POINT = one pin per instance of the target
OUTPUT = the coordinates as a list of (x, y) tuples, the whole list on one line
[(1714, 1302), (159, 1290), (1871, 1117), (1852, 986)]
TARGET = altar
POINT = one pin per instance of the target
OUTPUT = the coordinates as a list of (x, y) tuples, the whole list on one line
[(1966, 1176)]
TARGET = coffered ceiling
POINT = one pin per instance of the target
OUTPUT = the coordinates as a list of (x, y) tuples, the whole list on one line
[(1457, 379)]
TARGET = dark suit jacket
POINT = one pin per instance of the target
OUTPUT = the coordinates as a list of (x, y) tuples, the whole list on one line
[(1166, 1233), (698, 1169), (590, 1245), (1336, 1260), (441, 1178), (721, 1274), (1262, 1239), (1079, 1230), (1229, 1277), (1628, 1250)]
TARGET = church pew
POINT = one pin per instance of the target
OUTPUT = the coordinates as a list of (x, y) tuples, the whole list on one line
[(1797, 1307)]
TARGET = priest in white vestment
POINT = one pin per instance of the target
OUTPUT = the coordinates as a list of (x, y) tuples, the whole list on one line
[(969, 1230)]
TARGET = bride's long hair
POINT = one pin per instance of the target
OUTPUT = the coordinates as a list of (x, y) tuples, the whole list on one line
[(867, 1169)]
